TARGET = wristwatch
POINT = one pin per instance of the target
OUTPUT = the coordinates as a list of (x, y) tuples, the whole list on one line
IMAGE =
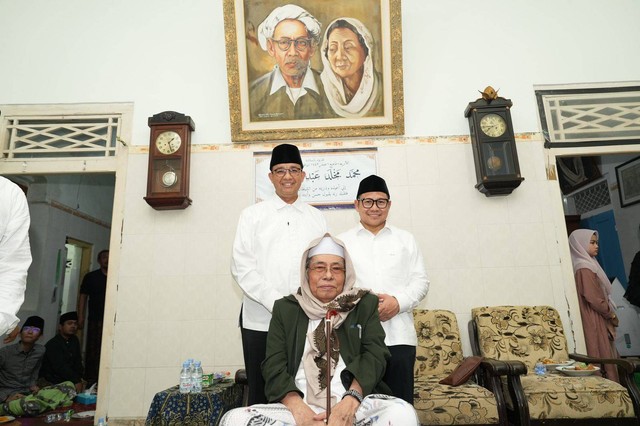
[(354, 393)]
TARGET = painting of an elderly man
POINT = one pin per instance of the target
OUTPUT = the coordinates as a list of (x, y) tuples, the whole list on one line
[(292, 90)]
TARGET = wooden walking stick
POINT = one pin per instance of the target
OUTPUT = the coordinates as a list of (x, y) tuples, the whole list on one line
[(328, 327)]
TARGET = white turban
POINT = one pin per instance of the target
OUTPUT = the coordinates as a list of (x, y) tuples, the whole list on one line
[(288, 11), (327, 246)]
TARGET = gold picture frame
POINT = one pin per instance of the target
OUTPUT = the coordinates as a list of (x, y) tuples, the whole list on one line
[(256, 117)]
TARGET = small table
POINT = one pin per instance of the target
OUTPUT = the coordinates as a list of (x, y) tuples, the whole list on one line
[(170, 407)]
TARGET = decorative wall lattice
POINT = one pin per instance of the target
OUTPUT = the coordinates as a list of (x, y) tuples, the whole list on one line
[(592, 198), (590, 116), (59, 137)]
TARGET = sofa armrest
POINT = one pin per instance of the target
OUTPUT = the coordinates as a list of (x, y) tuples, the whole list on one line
[(241, 379), (492, 371), (493, 367), (625, 366)]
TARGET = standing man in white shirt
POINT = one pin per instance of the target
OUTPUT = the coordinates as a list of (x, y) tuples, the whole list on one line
[(388, 261), (265, 262), (15, 254)]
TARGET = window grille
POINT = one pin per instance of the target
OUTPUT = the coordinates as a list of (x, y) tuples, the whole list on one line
[(72, 136), (590, 117), (593, 197)]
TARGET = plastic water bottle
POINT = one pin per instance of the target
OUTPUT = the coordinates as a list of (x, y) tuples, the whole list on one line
[(101, 422), (185, 378), (191, 366), (196, 378), (540, 369)]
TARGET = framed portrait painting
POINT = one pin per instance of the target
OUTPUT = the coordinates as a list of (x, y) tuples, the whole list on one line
[(309, 69), (628, 177)]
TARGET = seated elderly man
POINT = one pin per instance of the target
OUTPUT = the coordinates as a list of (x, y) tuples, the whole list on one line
[(295, 365)]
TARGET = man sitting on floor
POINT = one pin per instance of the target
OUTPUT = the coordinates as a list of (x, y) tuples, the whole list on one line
[(63, 359), (19, 366), (20, 363)]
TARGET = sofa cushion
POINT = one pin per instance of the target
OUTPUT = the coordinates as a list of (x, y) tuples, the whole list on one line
[(439, 350), (438, 404), (555, 396), (522, 333), (463, 372)]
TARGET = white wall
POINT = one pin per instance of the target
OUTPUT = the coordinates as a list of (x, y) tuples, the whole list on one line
[(175, 297), (171, 56)]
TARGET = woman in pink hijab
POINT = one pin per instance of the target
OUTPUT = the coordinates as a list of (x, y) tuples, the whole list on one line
[(597, 309)]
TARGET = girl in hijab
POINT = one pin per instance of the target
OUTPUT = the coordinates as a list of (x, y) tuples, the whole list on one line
[(352, 85), (295, 368), (597, 308)]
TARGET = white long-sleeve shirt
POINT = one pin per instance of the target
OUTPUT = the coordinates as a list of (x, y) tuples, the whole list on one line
[(15, 252), (267, 253), (390, 262)]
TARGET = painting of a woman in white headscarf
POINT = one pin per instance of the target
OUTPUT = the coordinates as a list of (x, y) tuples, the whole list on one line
[(351, 83)]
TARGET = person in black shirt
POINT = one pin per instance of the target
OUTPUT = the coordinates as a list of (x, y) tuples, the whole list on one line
[(93, 289), (63, 359)]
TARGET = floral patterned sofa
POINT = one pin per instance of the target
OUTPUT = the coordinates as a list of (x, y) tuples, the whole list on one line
[(531, 333), (438, 353)]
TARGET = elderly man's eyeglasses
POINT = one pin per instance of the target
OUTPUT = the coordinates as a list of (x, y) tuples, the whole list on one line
[(294, 172), (301, 44), (31, 329), (322, 269), (367, 203)]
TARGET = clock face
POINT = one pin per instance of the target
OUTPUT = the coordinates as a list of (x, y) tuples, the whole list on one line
[(168, 142), (493, 125), (169, 179)]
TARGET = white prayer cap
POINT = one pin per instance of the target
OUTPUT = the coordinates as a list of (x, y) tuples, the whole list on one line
[(327, 246), (288, 11)]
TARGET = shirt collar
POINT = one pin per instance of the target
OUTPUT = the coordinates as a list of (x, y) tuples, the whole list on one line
[(362, 229), (308, 83), (280, 204), (19, 349)]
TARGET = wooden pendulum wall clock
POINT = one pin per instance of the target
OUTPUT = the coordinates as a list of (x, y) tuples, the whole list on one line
[(494, 144), (169, 155)]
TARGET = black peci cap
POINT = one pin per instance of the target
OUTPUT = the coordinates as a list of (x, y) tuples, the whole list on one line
[(372, 183), (285, 153)]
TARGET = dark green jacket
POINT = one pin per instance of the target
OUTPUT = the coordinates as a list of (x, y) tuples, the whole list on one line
[(361, 348)]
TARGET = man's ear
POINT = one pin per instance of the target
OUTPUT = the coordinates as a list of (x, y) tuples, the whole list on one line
[(271, 48)]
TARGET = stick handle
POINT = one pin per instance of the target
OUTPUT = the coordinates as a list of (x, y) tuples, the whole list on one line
[(328, 326), (328, 333)]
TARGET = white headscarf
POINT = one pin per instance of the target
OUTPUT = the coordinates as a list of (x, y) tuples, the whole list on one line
[(367, 94), (315, 361), (578, 244), (288, 11)]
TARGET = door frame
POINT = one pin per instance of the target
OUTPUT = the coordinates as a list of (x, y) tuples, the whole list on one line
[(116, 164), (568, 279)]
